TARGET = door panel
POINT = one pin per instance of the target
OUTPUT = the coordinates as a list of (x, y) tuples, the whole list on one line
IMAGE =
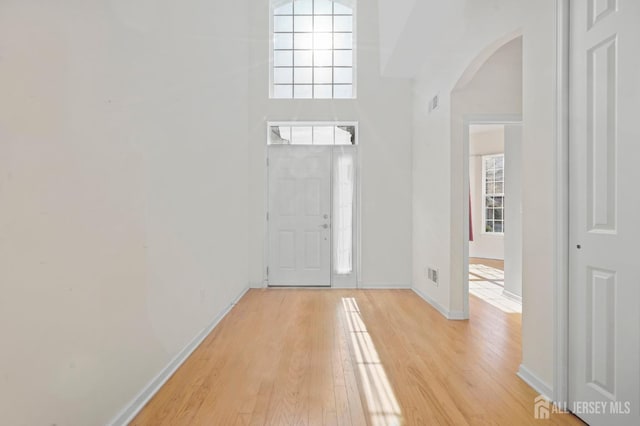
[(299, 216), (604, 345)]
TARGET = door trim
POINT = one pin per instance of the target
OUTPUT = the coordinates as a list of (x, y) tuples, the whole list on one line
[(560, 392), (357, 238), (469, 120)]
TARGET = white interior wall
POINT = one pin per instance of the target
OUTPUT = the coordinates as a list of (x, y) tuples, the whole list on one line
[(123, 186), (539, 179), (439, 243), (439, 38), (433, 141), (513, 210), (383, 111), (393, 18), (485, 140)]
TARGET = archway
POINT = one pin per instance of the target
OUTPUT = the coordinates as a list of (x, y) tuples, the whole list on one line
[(488, 91)]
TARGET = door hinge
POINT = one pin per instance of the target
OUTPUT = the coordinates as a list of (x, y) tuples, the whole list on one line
[(267, 161), (267, 215), (267, 271)]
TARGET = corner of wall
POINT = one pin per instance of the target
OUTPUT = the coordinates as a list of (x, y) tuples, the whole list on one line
[(448, 314), (535, 382), (128, 413)]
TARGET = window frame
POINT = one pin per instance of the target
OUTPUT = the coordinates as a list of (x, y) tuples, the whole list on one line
[(353, 124), (494, 194), (354, 59)]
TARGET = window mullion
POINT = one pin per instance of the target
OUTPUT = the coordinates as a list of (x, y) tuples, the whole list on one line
[(313, 50), (333, 49)]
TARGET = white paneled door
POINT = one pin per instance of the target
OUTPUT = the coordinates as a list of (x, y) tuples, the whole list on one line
[(604, 325), (299, 216)]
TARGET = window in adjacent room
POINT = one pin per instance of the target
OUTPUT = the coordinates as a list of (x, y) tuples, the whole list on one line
[(312, 49), (493, 193)]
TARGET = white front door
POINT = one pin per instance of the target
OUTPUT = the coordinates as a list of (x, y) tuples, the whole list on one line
[(299, 216), (604, 323)]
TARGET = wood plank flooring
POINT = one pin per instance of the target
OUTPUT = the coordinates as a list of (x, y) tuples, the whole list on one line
[(494, 263), (350, 357)]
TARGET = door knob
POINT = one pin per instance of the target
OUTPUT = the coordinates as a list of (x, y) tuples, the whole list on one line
[(325, 226)]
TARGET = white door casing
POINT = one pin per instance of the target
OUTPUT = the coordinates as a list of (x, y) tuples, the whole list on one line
[(604, 296), (299, 221)]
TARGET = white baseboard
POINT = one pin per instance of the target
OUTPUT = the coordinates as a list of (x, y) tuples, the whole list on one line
[(127, 414), (457, 316), (512, 296), (536, 383), (359, 285), (450, 315)]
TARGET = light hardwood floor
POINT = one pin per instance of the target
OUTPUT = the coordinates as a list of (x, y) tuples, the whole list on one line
[(494, 263), (350, 357)]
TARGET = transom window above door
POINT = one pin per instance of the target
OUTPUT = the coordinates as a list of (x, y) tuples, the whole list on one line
[(312, 134), (312, 52)]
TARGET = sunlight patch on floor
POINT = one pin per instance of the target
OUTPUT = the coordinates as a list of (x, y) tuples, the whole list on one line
[(481, 272), (487, 283), (382, 404)]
